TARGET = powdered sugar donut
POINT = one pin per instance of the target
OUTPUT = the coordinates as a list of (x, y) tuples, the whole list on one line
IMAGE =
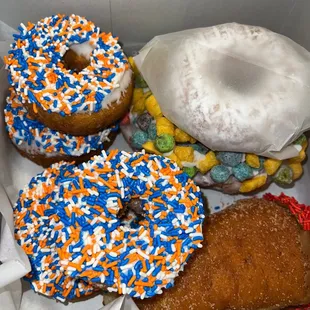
[(78, 102)]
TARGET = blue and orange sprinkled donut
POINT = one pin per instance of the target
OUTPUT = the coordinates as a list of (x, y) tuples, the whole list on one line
[(45, 146), (67, 221), (79, 103)]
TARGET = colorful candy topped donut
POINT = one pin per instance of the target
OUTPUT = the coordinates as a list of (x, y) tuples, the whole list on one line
[(145, 127), (121, 222), (45, 146), (72, 77)]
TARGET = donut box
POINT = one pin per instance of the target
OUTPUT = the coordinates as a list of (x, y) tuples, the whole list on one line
[(126, 19)]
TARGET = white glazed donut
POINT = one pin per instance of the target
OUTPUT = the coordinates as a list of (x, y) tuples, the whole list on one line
[(242, 88)]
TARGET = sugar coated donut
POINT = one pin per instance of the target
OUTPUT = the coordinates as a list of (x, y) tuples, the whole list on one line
[(78, 103), (45, 146), (67, 221)]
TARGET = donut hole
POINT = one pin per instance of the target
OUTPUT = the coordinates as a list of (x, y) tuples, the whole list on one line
[(240, 76), (74, 62), (132, 213)]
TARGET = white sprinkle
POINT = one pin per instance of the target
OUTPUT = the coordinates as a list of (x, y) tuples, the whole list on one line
[(157, 215), (90, 262), (125, 172), (124, 166), (192, 195), (93, 222), (128, 266), (63, 238), (85, 211), (142, 254), (122, 192), (45, 250), (111, 289), (193, 235), (150, 271)]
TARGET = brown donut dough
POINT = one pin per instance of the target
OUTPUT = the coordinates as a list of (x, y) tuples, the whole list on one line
[(83, 124), (255, 257), (45, 161)]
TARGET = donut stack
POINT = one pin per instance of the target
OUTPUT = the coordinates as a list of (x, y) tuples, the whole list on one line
[(71, 83)]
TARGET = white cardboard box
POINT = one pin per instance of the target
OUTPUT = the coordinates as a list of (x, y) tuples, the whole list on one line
[(136, 22)]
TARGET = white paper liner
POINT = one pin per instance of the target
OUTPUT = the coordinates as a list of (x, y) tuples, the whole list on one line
[(232, 87)]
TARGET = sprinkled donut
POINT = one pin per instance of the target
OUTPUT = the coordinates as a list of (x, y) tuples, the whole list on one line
[(78, 103), (67, 221), (45, 146)]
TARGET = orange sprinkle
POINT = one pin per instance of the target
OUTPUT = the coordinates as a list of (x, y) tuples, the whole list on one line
[(76, 266), (58, 279), (34, 107), (141, 283), (111, 264), (130, 282)]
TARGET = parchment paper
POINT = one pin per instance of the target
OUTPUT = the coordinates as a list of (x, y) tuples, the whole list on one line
[(232, 87)]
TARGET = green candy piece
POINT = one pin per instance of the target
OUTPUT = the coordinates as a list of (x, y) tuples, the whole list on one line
[(139, 138), (191, 171), (242, 172), (220, 174), (284, 175), (302, 139), (140, 82), (164, 143), (152, 131)]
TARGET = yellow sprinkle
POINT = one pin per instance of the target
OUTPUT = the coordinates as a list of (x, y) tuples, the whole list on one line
[(305, 145), (298, 159), (297, 170), (137, 94), (175, 158), (252, 160), (139, 106), (184, 153), (163, 125), (253, 184), (208, 162), (138, 101), (182, 136), (272, 165), (133, 65), (150, 148), (152, 106)]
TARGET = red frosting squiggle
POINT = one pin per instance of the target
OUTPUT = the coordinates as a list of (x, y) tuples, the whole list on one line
[(301, 211)]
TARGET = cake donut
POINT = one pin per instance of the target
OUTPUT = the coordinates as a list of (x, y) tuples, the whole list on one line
[(41, 68), (145, 127), (45, 146), (257, 257), (68, 222)]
